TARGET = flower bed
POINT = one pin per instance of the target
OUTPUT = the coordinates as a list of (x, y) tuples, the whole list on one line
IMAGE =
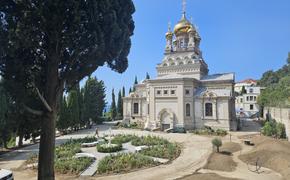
[(120, 138), (169, 151), (106, 148), (64, 158), (124, 162), (148, 141)]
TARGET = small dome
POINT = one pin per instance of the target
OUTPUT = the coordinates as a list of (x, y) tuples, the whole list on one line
[(182, 26)]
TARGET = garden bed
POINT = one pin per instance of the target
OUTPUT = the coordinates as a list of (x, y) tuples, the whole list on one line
[(109, 148), (65, 163), (124, 162)]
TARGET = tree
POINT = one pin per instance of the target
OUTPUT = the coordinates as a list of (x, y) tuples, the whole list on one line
[(113, 106), (135, 83), (62, 123), (48, 46), (288, 58), (123, 92), (147, 76), (120, 106), (3, 115), (94, 100), (73, 109), (130, 90), (243, 91), (216, 142)]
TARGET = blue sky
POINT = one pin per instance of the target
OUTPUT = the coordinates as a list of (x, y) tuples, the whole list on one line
[(247, 37)]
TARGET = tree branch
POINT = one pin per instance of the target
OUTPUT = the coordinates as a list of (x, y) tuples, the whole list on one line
[(32, 111), (43, 100)]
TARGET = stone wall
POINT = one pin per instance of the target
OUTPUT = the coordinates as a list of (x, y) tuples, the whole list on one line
[(280, 115)]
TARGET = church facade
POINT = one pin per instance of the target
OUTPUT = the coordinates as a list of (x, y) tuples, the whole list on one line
[(183, 95)]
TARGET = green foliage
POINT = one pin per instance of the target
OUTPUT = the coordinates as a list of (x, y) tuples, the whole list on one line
[(148, 141), (120, 106), (210, 131), (94, 100), (73, 109), (147, 76), (216, 142), (120, 139), (274, 129), (106, 148), (167, 151), (63, 122), (243, 91), (72, 165), (277, 92), (113, 106), (124, 162), (48, 46)]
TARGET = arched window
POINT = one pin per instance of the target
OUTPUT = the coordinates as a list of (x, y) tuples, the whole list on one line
[(164, 64), (181, 63), (208, 109), (189, 62), (136, 108), (187, 109), (172, 64)]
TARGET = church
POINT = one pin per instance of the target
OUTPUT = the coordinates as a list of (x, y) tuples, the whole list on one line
[(183, 95)]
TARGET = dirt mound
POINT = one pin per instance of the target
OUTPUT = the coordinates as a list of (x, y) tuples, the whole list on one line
[(220, 162), (272, 153), (231, 147), (206, 176)]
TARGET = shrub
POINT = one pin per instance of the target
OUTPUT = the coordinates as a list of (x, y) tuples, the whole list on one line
[(105, 148), (120, 139), (168, 151), (148, 141), (216, 142), (124, 162), (72, 165), (221, 132), (269, 129), (280, 130)]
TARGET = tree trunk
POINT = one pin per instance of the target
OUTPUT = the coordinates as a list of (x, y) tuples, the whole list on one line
[(20, 141), (52, 92), (47, 147)]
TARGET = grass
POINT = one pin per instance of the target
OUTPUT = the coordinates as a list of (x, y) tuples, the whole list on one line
[(124, 162), (168, 151), (72, 165)]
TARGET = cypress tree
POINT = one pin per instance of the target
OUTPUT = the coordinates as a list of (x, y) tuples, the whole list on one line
[(63, 119), (147, 76), (113, 106), (73, 109), (123, 92), (135, 82), (120, 106)]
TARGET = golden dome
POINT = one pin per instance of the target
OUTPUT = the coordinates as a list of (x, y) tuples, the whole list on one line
[(191, 29), (182, 26)]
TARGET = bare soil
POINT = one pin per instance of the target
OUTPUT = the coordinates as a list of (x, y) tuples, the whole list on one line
[(206, 176), (272, 153), (223, 161)]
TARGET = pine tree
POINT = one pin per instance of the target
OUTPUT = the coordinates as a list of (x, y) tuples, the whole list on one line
[(120, 106), (147, 76), (130, 90), (113, 106)]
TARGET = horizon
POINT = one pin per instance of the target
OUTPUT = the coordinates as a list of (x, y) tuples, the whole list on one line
[(239, 37)]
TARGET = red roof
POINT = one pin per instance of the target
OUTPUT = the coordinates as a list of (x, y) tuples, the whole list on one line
[(249, 81)]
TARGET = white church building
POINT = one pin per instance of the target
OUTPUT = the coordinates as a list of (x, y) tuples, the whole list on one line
[(183, 95)]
